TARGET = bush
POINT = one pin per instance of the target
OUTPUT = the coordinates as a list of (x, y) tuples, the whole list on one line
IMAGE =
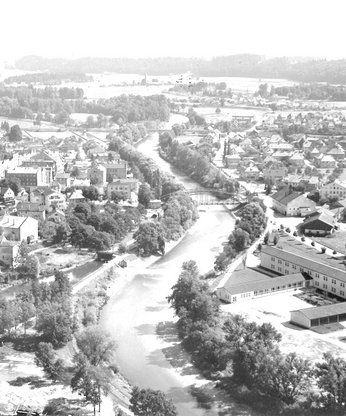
[(303, 239), (288, 230), (335, 252), (323, 249), (295, 234), (313, 243)]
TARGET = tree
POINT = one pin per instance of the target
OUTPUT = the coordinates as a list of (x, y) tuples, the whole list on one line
[(54, 320), (62, 232), (285, 377), (45, 358), (144, 195), (90, 192), (30, 269), (96, 345), (26, 310), (331, 379), (15, 134), (75, 172), (149, 237), (148, 402)]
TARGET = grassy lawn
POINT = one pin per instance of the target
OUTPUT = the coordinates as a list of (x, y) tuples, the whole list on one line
[(336, 241)]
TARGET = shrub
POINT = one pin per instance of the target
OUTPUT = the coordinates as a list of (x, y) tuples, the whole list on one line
[(323, 249), (335, 252), (303, 239), (295, 234), (288, 230), (122, 248), (313, 243)]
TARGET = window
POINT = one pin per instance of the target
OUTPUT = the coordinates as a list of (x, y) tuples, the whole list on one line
[(342, 284), (279, 269), (280, 261), (333, 282), (342, 293), (325, 278), (325, 286), (333, 290), (317, 275), (316, 283), (302, 269), (287, 263), (294, 266), (287, 272)]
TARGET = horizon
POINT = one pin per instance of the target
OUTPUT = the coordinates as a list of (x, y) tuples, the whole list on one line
[(152, 28)]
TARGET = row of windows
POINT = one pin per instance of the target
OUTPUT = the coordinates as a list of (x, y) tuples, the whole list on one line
[(333, 289), (294, 267)]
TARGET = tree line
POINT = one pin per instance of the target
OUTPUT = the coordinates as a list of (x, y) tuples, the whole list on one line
[(241, 65), (50, 78), (248, 228), (311, 91), (25, 102), (179, 211), (194, 164), (241, 353)]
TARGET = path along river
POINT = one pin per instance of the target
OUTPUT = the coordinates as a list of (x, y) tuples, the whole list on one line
[(139, 317)]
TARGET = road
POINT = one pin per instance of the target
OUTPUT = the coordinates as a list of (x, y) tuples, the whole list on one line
[(149, 353)]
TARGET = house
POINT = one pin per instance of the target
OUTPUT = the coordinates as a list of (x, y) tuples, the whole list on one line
[(7, 195), (318, 223), (31, 209), (19, 228), (115, 170), (298, 160), (55, 199), (76, 197), (22, 195), (8, 252), (251, 173), (56, 216), (248, 284), (336, 153), (320, 315), (232, 161), (336, 189), (291, 256), (64, 179), (292, 203), (127, 186), (274, 171), (327, 162)]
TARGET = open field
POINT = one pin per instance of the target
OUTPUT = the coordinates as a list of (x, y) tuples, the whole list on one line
[(275, 309), (336, 241)]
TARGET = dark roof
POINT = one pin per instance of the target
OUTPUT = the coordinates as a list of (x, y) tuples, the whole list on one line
[(247, 280), (323, 311), (319, 217), (42, 156)]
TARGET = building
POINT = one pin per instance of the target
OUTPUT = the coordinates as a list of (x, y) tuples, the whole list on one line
[(232, 161), (57, 216), (127, 186), (19, 228), (251, 173), (31, 209), (115, 170), (292, 203), (327, 162), (8, 252), (336, 189), (321, 315), (274, 171), (45, 162), (291, 256), (55, 199), (7, 195), (64, 179), (28, 177), (318, 223), (248, 284), (76, 197)]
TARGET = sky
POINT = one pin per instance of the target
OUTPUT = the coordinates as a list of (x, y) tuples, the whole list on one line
[(152, 28)]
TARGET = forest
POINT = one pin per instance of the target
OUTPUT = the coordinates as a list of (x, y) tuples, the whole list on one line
[(243, 65)]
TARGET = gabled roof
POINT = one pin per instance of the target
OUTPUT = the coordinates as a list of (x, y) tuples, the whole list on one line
[(321, 216), (42, 156), (323, 311), (6, 243), (30, 206)]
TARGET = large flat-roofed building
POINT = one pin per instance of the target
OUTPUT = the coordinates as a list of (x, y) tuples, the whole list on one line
[(249, 284), (321, 315), (116, 170), (292, 256)]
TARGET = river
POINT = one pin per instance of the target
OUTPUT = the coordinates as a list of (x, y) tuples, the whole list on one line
[(149, 353)]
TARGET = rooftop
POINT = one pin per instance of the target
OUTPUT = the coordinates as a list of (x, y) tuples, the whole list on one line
[(299, 253), (323, 311)]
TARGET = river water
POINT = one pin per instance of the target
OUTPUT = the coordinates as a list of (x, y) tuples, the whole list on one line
[(149, 353)]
